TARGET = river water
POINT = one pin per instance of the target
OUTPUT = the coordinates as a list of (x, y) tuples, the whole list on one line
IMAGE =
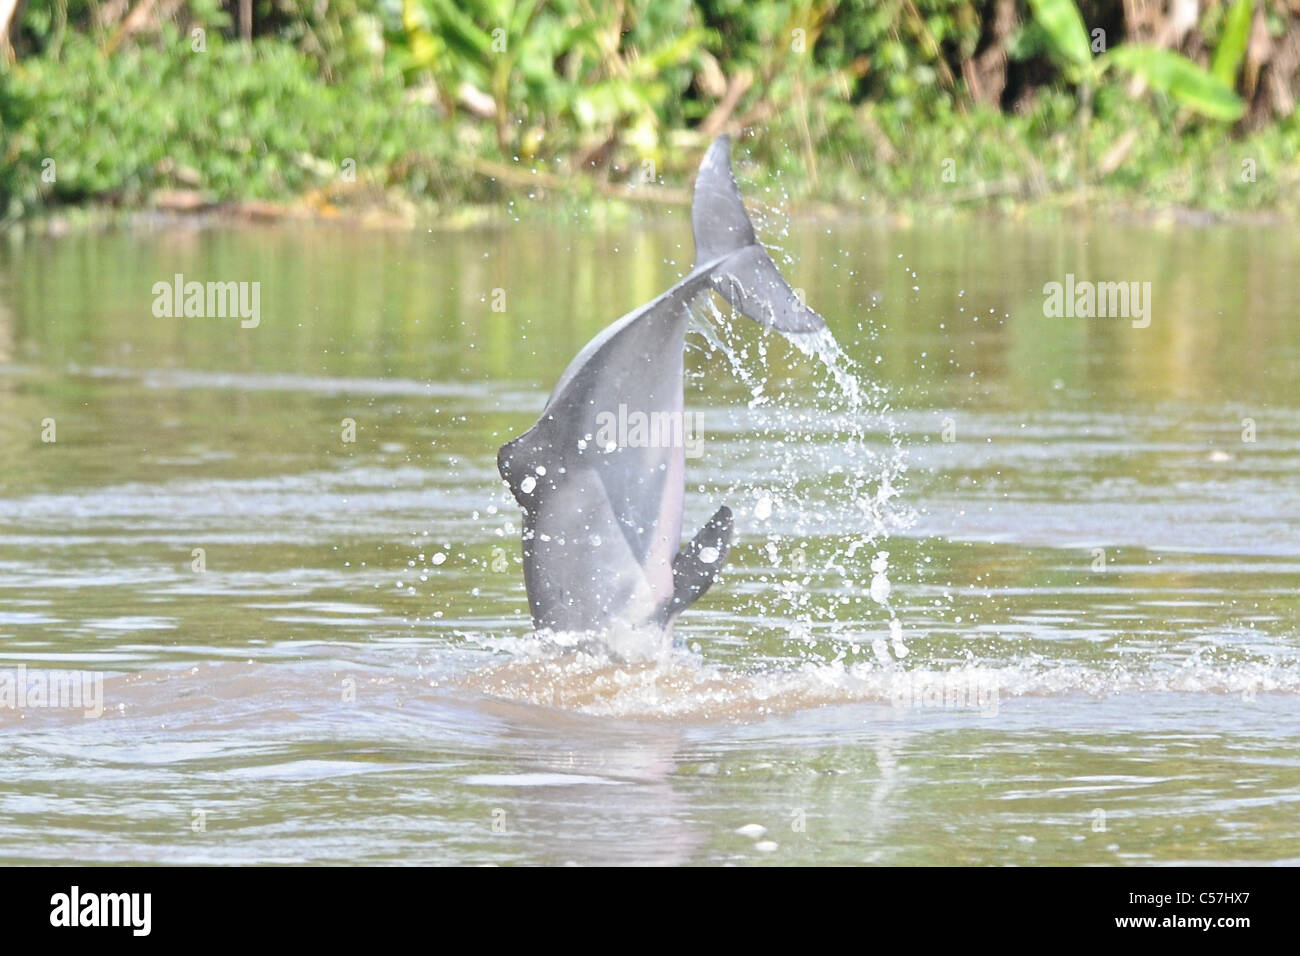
[(1031, 599)]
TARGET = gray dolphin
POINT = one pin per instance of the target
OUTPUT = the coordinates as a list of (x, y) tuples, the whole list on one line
[(603, 522)]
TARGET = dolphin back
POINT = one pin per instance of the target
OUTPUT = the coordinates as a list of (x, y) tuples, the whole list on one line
[(740, 269)]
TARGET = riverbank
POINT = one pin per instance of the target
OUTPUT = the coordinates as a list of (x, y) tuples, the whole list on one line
[(1120, 169), (94, 133), (400, 214)]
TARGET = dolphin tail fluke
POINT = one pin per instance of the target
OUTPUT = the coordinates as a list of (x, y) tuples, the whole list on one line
[(740, 270), (698, 563)]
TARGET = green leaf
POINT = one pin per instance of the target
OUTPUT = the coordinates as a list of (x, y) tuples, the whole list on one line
[(461, 31), (521, 16), (1173, 73), (673, 51), (1232, 44), (1061, 21)]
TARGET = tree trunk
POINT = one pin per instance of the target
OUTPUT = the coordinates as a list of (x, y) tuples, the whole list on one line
[(985, 73), (9, 16)]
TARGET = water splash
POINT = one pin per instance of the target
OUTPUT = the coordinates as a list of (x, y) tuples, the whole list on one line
[(680, 686), (822, 502), (818, 506), (835, 461)]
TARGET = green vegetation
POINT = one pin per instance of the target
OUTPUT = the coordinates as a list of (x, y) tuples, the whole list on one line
[(436, 106)]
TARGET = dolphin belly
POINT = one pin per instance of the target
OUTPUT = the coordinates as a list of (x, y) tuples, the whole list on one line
[(580, 568)]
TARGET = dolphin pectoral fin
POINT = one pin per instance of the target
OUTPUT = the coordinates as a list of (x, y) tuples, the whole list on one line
[(698, 563)]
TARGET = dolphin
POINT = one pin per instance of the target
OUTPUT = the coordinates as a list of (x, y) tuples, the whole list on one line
[(602, 522)]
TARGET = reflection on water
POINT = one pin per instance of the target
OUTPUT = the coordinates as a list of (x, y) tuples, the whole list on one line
[(318, 648)]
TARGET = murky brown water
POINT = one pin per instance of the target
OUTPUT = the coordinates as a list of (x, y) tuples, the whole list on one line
[(351, 678)]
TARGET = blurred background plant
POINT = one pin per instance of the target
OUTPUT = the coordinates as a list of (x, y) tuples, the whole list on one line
[(315, 104)]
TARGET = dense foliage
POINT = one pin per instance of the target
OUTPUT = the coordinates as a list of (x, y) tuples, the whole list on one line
[(455, 101)]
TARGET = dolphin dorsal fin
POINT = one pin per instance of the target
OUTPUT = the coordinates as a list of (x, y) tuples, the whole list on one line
[(692, 573)]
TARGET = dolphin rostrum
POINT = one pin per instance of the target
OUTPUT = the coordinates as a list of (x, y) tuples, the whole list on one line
[(602, 521)]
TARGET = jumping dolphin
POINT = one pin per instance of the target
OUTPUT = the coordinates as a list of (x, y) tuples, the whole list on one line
[(602, 522)]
